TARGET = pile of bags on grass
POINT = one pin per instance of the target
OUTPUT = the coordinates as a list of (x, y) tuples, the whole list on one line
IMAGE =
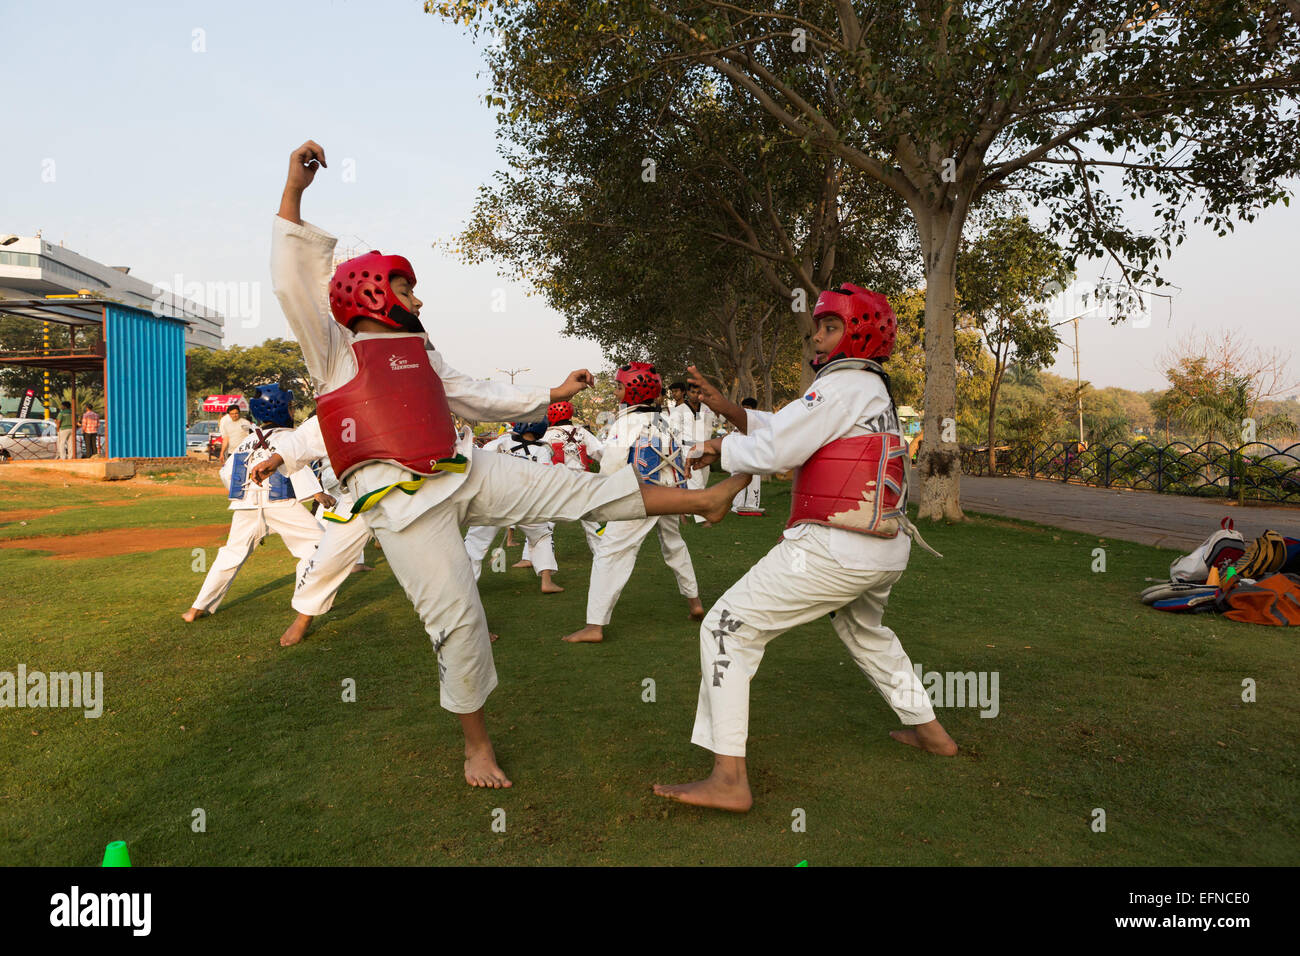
[(1257, 583)]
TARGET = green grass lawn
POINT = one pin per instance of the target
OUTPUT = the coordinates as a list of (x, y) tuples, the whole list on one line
[(1103, 704)]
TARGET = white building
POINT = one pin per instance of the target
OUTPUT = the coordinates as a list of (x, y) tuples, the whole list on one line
[(31, 266)]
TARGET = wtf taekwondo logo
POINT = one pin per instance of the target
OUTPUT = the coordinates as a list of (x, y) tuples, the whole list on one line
[(399, 364), (102, 909)]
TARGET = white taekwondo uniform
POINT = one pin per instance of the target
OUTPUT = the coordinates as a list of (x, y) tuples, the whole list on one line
[(271, 507), (343, 545), (419, 528), (540, 536), (621, 540), (813, 571), (570, 437), (694, 428)]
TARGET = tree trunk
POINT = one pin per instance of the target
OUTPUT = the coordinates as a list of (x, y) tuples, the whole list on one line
[(939, 461)]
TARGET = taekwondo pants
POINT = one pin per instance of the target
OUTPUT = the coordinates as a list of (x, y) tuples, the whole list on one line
[(748, 497), (540, 544), (794, 583), (248, 526), (589, 528), (429, 560), (697, 480), (342, 547), (616, 558)]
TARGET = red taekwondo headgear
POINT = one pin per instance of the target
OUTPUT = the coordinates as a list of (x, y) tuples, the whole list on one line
[(870, 326), (559, 412), (641, 383), (361, 289)]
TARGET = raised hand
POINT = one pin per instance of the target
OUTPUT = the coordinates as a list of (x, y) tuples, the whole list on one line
[(575, 383), (304, 163)]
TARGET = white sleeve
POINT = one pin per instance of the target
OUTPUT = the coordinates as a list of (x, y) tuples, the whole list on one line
[(481, 401), (305, 484), (754, 420), (797, 431), (300, 447), (594, 447), (302, 262)]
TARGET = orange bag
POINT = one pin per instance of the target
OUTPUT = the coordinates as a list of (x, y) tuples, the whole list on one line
[(1273, 600)]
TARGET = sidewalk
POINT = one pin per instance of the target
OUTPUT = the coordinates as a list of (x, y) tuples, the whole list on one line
[(1167, 521)]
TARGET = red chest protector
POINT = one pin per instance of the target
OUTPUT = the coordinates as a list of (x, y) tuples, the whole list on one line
[(571, 438), (393, 410), (858, 484)]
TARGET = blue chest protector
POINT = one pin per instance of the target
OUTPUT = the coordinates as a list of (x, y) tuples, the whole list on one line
[(279, 487), (658, 460)]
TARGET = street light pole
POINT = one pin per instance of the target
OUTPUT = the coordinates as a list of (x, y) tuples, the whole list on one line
[(512, 372), (1078, 380)]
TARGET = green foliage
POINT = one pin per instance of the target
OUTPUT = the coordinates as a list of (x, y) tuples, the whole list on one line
[(239, 369)]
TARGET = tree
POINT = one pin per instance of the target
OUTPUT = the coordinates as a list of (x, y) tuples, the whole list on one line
[(683, 204), (1000, 277), (239, 369), (1218, 385), (944, 102)]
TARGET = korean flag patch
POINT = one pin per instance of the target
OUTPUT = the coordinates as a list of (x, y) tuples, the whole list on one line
[(813, 399)]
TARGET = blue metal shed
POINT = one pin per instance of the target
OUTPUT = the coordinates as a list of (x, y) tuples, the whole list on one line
[(142, 359), (144, 382)]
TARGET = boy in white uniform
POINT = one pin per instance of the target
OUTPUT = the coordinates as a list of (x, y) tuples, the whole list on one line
[(342, 546), (693, 422), (637, 429), (573, 447), (385, 399), (259, 510), (524, 441), (847, 542)]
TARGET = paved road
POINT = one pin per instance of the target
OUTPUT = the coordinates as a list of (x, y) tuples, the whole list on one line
[(1167, 521)]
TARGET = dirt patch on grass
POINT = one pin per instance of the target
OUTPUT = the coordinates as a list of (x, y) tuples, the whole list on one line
[(107, 544)]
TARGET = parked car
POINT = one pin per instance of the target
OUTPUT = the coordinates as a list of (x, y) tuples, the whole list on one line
[(28, 438), (197, 434)]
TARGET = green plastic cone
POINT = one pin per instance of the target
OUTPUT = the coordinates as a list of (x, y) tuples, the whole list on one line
[(115, 854)]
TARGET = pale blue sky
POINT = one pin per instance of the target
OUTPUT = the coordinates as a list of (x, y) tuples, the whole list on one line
[(171, 161)]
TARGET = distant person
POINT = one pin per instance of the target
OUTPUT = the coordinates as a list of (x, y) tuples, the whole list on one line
[(676, 394), (233, 430), (67, 447), (90, 431)]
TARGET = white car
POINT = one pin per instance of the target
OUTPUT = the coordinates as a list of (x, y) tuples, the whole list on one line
[(22, 438)]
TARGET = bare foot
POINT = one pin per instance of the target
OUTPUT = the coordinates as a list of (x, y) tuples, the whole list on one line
[(591, 634), (727, 788), (296, 631), (930, 737), (696, 609), (360, 567), (549, 586), (493, 637), (481, 769), (720, 497), (193, 614), (522, 564)]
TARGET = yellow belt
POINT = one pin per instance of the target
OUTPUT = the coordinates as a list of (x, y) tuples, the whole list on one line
[(410, 487)]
